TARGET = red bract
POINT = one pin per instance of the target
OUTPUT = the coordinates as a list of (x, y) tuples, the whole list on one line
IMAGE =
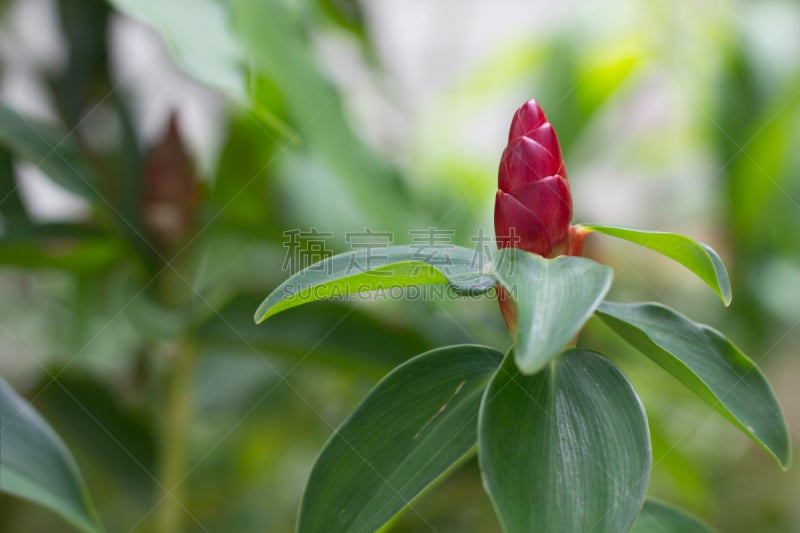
[(533, 206)]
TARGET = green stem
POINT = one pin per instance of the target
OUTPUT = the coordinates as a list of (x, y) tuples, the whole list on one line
[(176, 425)]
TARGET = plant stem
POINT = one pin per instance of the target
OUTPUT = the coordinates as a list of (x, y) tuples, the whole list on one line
[(176, 425)]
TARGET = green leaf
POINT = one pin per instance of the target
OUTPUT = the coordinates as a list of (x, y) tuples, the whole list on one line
[(708, 364), (377, 269), (418, 422), (554, 298), (348, 15), (49, 148), (69, 247), (84, 30), (125, 422), (567, 449), (36, 465), (356, 340), (659, 517), (277, 46), (696, 256), (207, 49), (11, 204)]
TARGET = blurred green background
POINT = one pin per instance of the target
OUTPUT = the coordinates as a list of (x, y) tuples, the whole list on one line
[(153, 155)]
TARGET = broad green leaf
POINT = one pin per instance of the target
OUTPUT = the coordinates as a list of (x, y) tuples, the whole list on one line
[(708, 364), (696, 256), (418, 422), (381, 269), (49, 148), (35, 464), (659, 517), (567, 449), (553, 297)]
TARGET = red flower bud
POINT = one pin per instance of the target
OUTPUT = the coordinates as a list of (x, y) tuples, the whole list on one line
[(533, 206)]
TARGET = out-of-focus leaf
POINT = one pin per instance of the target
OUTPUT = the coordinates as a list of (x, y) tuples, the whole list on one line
[(578, 83), (244, 196), (49, 148), (416, 424), (755, 129), (129, 165), (57, 246), (279, 49), (659, 517), (207, 48), (380, 269), (35, 464), (80, 89), (709, 365), (41, 232), (268, 106), (346, 14), (117, 438), (149, 318), (566, 449), (84, 25), (330, 333), (84, 86), (11, 205), (604, 70), (553, 298), (696, 256), (231, 383), (762, 175), (739, 99)]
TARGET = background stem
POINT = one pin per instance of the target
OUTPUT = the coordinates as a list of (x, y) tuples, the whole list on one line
[(176, 425)]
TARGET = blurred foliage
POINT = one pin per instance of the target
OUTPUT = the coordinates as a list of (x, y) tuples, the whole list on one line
[(128, 323)]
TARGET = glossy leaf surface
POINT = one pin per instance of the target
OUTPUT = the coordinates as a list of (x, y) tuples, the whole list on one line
[(567, 449), (659, 517), (416, 424), (553, 297), (36, 465), (707, 363), (696, 256), (376, 269)]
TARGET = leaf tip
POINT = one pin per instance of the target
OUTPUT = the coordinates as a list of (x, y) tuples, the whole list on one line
[(262, 314), (784, 460), (724, 287), (722, 279)]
